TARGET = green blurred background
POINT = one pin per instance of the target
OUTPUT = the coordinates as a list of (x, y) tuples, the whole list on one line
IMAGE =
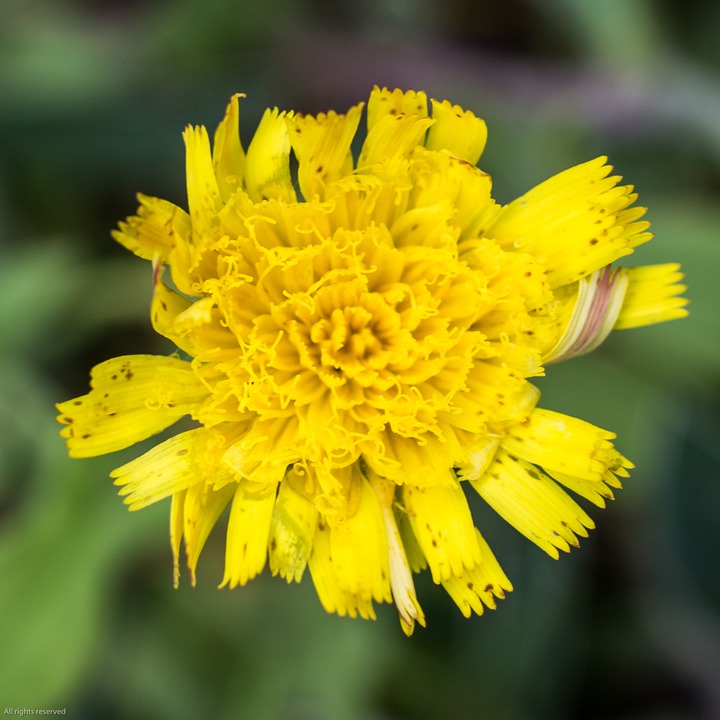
[(93, 97)]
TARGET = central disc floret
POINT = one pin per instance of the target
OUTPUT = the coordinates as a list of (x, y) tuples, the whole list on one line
[(354, 341), (377, 319), (372, 337)]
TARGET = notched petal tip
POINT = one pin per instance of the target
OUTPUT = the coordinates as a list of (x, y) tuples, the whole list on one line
[(228, 155), (655, 294), (384, 102), (458, 131)]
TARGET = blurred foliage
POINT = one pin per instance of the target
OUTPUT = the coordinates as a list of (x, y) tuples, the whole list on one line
[(93, 96)]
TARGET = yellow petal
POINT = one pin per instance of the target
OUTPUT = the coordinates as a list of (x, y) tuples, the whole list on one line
[(263, 453), (322, 147), (133, 397), (248, 531), (349, 561), (397, 123), (228, 154), (155, 230), (384, 102), (197, 327), (177, 507), (426, 226), (359, 549), (563, 444), (413, 551), (533, 504), (403, 460), (202, 507), (204, 199), (478, 457), (577, 221), (596, 492), (166, 305), (267, 164), (441, 177), (456, 130), (652, 296), (496, 390), (401, 582), (478, 588), (324, 578), (170, 467), (334, 597), (295, 520), (441, 520)]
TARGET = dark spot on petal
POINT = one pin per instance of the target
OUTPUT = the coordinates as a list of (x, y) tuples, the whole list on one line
[(182, 452)]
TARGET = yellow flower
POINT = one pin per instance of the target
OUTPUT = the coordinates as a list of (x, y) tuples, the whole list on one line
[(355, 344)]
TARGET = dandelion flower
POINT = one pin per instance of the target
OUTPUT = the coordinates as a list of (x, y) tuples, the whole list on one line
[(355, 348)]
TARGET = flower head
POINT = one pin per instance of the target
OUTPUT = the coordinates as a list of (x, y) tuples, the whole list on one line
[(355, 347)]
